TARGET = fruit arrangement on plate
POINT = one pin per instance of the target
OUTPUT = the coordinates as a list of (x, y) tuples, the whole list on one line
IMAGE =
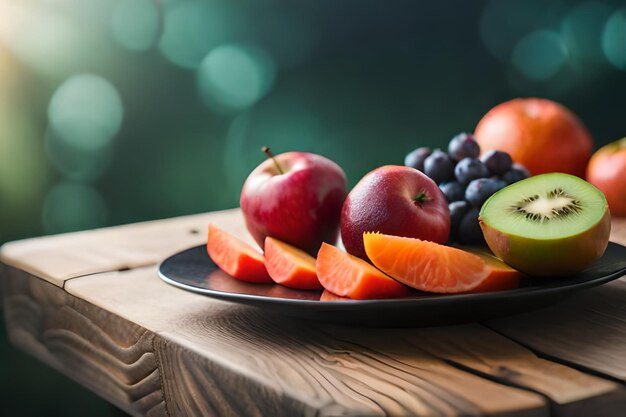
[(476, 217)]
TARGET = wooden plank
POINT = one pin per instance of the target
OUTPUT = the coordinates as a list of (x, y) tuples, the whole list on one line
[(249, 339), (485, 353), (62, 257), (233, 361), (196, 386), (111, 356), (310, 366), (588, 329)]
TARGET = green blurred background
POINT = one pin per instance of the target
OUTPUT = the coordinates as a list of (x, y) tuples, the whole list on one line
[(117, 111)]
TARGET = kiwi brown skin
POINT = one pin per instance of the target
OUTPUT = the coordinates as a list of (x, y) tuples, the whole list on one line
[(550, 257)]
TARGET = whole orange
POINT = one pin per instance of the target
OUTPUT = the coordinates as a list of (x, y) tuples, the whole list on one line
[(607, 171), (540, 134)]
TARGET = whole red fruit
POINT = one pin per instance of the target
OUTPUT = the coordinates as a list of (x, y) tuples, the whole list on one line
[(394, 200), (540, 134), (300, 206), (607, 171)]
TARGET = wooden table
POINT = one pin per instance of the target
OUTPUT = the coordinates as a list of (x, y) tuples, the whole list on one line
[(90, 304)]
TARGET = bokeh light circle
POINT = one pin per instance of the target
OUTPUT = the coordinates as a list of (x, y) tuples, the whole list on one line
[(135, 24), (70, 207), (539, 55), (192, 28), (77, 164), (504, 23), (582, 30), (614, 39), (53, 37), (235, 76), (86, 112)]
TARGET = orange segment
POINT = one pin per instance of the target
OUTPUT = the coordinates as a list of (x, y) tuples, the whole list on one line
[(235, 257), (290, 266), (501, 276), (349, 276), (426, 266)]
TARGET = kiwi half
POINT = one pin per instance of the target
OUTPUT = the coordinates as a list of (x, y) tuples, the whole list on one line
[(547, 225)]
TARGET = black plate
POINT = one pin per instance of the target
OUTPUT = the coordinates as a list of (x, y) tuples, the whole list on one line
[(194, 271)]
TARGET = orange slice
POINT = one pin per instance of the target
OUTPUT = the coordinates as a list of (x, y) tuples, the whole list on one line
[(429, 266), (235, 257), (349, 276), (290, 266)]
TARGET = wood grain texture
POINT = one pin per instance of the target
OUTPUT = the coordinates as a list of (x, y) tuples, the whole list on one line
[(111, 356), (62, 257), (197, 386), (487, 354), (340, 378), (298, 362), (155, 350), (280, 351), (588, 329)]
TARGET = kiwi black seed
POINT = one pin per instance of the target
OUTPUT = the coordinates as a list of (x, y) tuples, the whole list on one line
[(554, 205)]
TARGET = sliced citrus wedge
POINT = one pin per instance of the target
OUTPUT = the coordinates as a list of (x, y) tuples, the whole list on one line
[(290, 266), (235, 257), (348, 276), (429, 266)]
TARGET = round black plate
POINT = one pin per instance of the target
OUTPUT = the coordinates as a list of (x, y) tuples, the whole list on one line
[(194, 271)]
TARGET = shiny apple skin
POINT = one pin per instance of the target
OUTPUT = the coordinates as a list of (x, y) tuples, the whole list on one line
[(301, 207), (385, 201)]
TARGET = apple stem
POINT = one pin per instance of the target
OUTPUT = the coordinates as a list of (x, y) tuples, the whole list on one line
[(267, 151), (421, 198)]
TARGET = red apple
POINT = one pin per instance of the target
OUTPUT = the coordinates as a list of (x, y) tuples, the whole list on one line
[(394, 200), (295, 197)]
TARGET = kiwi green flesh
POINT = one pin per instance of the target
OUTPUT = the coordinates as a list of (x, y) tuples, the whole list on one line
[(548, 206)]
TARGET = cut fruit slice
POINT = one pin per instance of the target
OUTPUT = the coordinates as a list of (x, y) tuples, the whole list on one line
[(331, 296), (550, 224), (235, 257), (349, 276), (428, 266), (501, 276), (290, 266)]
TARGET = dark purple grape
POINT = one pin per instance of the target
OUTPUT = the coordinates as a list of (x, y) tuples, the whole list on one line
[(500, 183), (463, 145), (453, 191), (469, 169), (415, 159), (469, 232), (479, 190), (516, 173), (497, 162), (439, 167), (457, 211)]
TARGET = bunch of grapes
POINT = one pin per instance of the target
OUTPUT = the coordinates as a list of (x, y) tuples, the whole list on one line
[(466, 181)]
